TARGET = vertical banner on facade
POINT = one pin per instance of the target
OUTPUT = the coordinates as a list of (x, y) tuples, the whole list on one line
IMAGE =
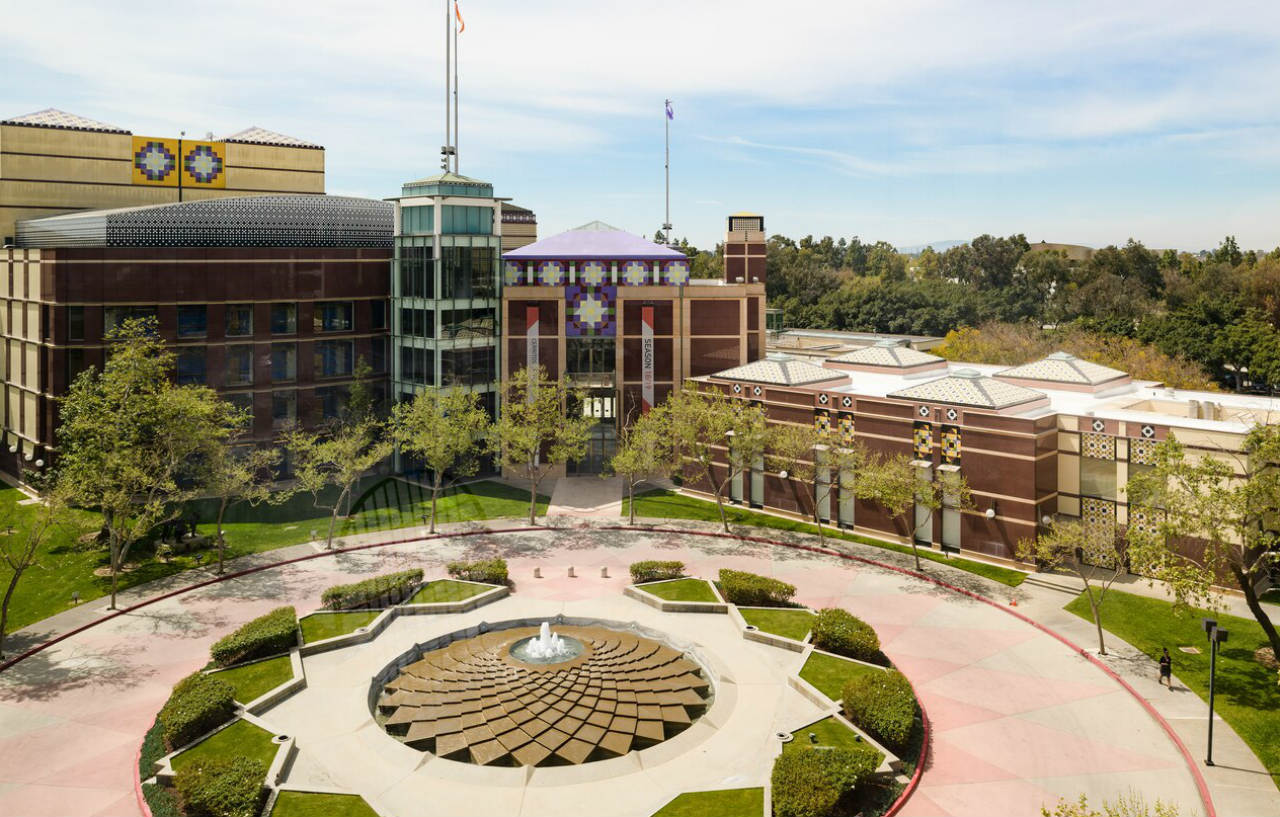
[(531, 356), (646, 358)]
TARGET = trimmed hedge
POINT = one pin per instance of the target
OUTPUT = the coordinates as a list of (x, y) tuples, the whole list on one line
[(882, 704), (375, 593), (198, 704), (162, 800), (752, 590), (654, 571), (488, 571), (222, 788), (843, 633), (811, 782), (272, 634)]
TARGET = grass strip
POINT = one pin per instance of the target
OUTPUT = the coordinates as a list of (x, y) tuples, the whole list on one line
[(786, 623), (722, 803), (829, 674), (681, 590), (252, 681), (322, 625), (317, 804), (240, 739), (446, 590)]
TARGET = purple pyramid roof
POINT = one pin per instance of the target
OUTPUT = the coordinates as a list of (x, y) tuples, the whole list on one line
[(596, 240)]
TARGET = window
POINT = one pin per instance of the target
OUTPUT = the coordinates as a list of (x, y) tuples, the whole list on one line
[(417, 365), (467, 272), (284, 362), (378, 355), (239, 320), (114, 316), (417, 272), (332, 316), (468, 323), (417, 220), (332, 401), (418, 323), (242, 401), (377, 314), (333, 358), (1098, 478), (284, 319), (284, 408), (75, 323), (466, 220), (75, 364), (191, 366), (193, 321), (467, 367), (240, 365), (589, 356)]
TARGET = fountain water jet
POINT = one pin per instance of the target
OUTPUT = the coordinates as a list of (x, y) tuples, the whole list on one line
[(546, 647)]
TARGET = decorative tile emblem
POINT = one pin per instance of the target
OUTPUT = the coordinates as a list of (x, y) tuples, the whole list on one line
[(737, 388), (846, 429), (923, 411), (154, 161), (922, 440), (591, 311), (1142, 452), (550, 273), (1145, 520), (822, 422), (846, 401), (203, 164), (951, 445), (1099, 426), (952, 415), (635, 273), (1149, 432), (1098, 446), (757, 391), (512, 273), (1098, 516), (823, 399), (676, 273), (592, 273)]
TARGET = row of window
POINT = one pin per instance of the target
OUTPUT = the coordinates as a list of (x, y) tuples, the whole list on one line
[(458, 367), (193, 319), (330, 401), (454, 323), (465, 272), (454, 220)]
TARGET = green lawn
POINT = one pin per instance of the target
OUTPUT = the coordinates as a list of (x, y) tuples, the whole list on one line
[(662, 504), (830, 732), (66, 567), (443, 590), (829, 674), (723, 803), (322, 625), (254, 680), (786, 623), (315, 804), (681, 590), (1245, 695), (240, 739)]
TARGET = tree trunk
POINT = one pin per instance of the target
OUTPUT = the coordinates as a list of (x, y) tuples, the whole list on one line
[(333, 517), (631, 500), (1251, 599), (4, 607), (911, 534), (533, 499), (222, 542), (1097, 618), (115, 568), (435, 492), (724, 520)]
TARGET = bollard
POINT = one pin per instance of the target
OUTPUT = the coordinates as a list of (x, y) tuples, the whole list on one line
[(604, 572), (571, 574), (537, 573)]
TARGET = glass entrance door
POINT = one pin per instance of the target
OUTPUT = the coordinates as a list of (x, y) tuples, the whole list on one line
[(602, 443)]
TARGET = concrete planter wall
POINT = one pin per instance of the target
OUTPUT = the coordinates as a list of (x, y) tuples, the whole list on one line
[(637, 592)]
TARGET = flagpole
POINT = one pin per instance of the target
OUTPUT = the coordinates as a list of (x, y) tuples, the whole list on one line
[(455, 89), (448, 141), (666, 123)]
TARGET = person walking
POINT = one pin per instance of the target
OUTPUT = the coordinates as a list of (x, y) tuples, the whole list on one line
[(1166, 668)]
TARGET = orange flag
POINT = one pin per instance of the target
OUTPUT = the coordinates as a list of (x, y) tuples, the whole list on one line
[(462, 26)]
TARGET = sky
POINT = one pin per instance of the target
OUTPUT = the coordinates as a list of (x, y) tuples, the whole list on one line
[(911, 121)]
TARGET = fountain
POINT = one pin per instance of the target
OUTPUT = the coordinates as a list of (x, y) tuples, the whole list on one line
[(546, 647)]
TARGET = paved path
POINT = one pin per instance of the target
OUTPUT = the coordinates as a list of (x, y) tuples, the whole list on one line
[(1020, 719), (586, 498)]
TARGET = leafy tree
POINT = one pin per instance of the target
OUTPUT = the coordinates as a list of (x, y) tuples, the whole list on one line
[(533, 433), (232, 473), (1096, 561), (927, 263), (27, 533), (718, 438), (447, 430), (129, 439), (336, 457), (891, 481), (1228, 506), (1228, 252), (645, 451), (800, 451)]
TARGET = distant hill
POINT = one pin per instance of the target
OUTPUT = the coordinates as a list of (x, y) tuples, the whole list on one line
[(938, 246), (1075, 252)]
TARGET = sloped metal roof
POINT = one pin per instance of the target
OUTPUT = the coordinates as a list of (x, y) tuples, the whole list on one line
[(1064, 367), (255, 135), (967, 387), (595, 240), (54, 118), (890, 354), (780, 373)]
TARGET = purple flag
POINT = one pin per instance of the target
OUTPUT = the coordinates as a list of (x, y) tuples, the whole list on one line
[(670, 115)]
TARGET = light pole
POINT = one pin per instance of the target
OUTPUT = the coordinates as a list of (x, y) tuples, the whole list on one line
[(1216, 636)]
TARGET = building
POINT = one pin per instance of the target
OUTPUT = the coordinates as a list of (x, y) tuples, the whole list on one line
[(822, 344), (268, 299), (54, 162), (519, 227), (620, 316), (1059, 436)]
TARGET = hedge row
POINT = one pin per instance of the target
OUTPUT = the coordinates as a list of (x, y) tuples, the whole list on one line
[(378, 592), (752, 590), (654, 571), (198, 704), (883, 705), (488, 571), (843, 633), (811, 782), (222, 788), (274, 633)]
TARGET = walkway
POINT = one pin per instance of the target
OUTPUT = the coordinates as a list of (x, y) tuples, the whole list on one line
[(591, 497), (1019, 718)]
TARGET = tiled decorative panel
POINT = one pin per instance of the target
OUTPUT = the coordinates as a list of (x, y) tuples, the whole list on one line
[(512, 273), (922, 440), (591, 311), (634, 273), (1097, 446), (551, 273), (1145, 520), (1099, 519), (675, 273), (822, 421), (846, 429), (593, 273), (951, 445), (1142, 452)]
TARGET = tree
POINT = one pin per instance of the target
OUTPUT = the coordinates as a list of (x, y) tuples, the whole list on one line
[(893, 482), (645, 451), (233, 472), (717, 437), (446, 430), (129, 439), (20, 548), (1096, 561), (800, 452), (1225, 507), (533, 433), (336, 457)]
